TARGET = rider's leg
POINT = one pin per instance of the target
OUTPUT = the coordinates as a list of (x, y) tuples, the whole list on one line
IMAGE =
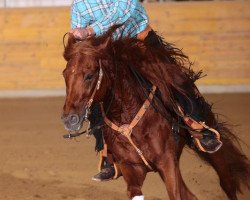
[(106, 169), (194, 111), (192, 107)]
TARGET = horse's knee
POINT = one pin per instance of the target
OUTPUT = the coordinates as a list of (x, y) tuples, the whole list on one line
[(134, 191)]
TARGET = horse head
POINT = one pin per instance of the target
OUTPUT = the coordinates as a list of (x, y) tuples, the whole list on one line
[(84, 79)]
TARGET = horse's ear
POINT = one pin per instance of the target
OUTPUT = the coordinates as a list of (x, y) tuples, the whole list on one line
[(71, 39), (68, 47)]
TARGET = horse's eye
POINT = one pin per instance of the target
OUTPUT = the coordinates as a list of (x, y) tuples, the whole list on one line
[(89, 77)]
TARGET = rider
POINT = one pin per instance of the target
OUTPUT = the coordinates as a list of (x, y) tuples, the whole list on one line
[(93, 18)]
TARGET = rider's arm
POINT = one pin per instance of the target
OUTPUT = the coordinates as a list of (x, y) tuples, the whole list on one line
[(119, 12), (76, 20)]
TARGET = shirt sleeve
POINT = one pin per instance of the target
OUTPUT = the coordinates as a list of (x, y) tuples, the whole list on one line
[(119, 13), (76, 20)]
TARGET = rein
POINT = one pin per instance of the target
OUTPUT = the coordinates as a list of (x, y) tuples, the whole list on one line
[(89, 132)]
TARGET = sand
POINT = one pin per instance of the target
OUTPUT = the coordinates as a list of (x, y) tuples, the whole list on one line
[(37, 163)]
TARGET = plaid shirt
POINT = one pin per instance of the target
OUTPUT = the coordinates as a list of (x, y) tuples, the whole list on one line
[(102, 14)]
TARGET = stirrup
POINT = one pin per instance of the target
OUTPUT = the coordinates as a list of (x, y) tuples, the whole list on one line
[(198, 136), (104, 153), (213, 143), (208, 144), (105, 174)]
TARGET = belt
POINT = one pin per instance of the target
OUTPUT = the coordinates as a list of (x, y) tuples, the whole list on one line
[(142, 35)]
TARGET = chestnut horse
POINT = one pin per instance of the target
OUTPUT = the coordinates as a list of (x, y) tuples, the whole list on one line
[(108, 71)]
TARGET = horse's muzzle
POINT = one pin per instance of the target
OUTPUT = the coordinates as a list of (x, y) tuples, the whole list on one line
[(72, 121)]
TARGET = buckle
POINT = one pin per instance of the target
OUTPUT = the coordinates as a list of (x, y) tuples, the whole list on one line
[(125, 130)]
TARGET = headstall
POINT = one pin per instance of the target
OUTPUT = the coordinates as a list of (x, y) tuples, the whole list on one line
[(88, 105)]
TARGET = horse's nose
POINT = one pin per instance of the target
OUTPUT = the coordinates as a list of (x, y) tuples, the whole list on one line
[(73, 119)]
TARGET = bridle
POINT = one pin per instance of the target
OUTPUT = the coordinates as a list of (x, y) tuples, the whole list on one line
[(97, 87), (125, 130), (87, 108)]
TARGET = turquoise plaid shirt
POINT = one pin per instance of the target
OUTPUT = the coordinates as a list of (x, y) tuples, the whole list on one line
[(102, 14)]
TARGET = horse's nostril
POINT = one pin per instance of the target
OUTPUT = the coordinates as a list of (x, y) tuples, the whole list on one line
[(74, 119)]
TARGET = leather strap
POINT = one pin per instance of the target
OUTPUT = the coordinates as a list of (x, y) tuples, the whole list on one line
[(97, 87), (126, 129), (190, 121)]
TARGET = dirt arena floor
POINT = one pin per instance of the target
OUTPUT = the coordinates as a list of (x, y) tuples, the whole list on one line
[(37, 163)]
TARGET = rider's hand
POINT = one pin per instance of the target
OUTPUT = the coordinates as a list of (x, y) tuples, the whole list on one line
[(79, 33), (82, 33)]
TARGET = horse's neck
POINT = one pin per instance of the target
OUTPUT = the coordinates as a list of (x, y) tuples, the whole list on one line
[(127, 99)]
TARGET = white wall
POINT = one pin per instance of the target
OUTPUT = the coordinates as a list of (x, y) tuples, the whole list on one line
[(39, 3), (2, 3), (34, 3)]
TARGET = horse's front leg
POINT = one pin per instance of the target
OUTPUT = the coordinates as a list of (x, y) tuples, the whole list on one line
[(134, 175), (170, 174)]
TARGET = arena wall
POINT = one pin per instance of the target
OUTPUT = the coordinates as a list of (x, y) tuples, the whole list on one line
[(215, 35)]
